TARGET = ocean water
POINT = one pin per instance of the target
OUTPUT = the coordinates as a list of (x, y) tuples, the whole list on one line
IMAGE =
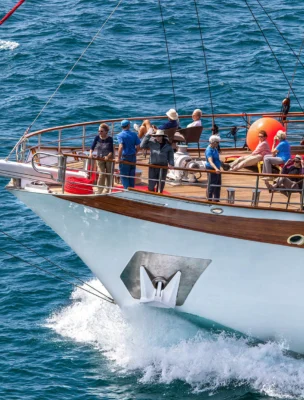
[(58, 342)]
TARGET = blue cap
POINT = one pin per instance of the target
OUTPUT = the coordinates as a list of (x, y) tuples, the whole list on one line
[(125, 123)]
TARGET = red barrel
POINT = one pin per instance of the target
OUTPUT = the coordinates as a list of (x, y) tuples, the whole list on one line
[(78, 185)]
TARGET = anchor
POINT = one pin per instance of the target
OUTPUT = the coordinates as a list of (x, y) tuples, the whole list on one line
[(159, 292)]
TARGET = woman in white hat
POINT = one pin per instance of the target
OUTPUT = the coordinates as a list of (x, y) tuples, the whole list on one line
[(213, 162), (161, 153), (148, 127)]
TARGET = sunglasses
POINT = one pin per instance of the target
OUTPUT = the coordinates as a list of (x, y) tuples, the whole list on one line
[(101, 130), (297, 161), (261, 137)]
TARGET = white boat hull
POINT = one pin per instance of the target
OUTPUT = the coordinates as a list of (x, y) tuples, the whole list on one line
[(252, 287)]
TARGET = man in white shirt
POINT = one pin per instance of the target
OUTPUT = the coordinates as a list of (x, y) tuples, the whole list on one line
[(196, 116)]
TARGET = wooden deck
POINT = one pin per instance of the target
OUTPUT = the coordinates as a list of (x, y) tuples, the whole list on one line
[(244, 185)]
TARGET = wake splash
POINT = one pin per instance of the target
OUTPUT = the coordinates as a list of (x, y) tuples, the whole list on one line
[(162, 348), (5, 45)]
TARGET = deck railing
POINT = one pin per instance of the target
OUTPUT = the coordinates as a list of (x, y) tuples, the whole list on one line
[(232, 189), (80, 136)]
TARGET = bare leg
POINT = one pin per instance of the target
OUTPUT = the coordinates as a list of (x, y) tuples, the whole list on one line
[(146, 125)]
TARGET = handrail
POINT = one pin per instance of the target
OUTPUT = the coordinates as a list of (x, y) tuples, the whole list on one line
[(42, 172), (186, 169), (204, 116)]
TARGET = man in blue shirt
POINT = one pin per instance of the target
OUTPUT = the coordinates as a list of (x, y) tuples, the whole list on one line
[(128, 147), (213, 162)]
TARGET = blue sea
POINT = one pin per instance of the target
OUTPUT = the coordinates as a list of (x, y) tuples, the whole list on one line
[(57, 341)]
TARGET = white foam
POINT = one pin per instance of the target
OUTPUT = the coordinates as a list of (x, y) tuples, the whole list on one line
[(5, 45), (162, 347)]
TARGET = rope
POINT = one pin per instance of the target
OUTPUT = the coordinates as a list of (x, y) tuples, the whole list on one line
[(205, 58), (283, 37), (293, 52), (261, 30), (296, 66), (168, 54), (51, 262), (54, 275), (70, 71)]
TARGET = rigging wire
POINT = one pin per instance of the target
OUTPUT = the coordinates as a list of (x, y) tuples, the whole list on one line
[(57, 266), (55, 276), (168, 54), (281, 34), (296, 67), (70, 71), (261, 30), (205, 59), (51, 262), (293, 52)]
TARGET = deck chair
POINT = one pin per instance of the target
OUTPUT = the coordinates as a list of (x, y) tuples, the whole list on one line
[(192, 135), (170, 134), (285, 192)]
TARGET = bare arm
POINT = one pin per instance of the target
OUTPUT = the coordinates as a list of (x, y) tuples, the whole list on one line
[(120, 148), (212, 164)]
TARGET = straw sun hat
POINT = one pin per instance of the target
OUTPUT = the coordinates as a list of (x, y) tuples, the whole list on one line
[(172, 114), (159, 132)]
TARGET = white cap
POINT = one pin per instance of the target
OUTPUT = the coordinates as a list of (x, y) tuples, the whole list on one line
[(172, 114)]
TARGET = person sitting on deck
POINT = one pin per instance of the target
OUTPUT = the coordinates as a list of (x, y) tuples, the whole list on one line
[(161, 153), (280, 153), (127, 149), (148, 127), (292, 167), (213, 163), (196, 116), (256, 156), (104, 145)]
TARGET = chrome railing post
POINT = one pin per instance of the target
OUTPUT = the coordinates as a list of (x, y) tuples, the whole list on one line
[(160, 179), (83, 137), (256, 193), (39, 141), (112, 175), (59, 140), (61, 170)]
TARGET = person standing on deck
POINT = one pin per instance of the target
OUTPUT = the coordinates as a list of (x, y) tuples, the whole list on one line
[(128, 147), (161, 153), (213, 163), (104, 145)]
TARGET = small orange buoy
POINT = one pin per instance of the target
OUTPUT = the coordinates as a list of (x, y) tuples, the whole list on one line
[(270, 125)]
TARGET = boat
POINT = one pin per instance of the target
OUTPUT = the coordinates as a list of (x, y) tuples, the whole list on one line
[(227, 263)]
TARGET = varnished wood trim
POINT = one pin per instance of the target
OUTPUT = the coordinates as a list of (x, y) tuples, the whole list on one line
[(192, 200), (254, 229), (204, 116)]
